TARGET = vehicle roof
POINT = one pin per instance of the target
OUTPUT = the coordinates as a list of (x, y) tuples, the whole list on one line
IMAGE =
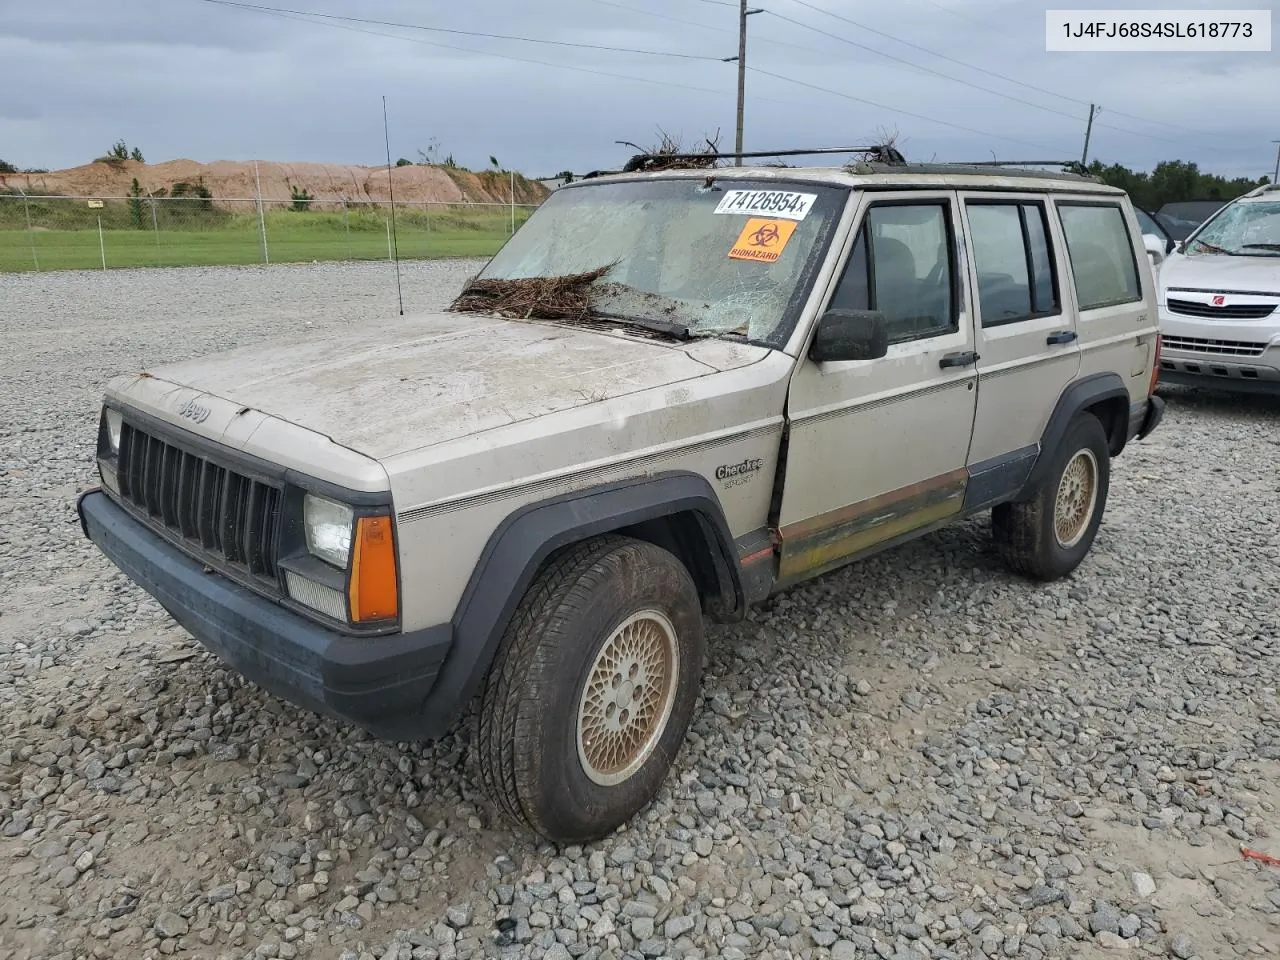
[(1193, 209), (886, 175), (1268, 191)]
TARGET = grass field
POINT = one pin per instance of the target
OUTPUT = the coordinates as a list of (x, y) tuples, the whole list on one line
[(63, 240)]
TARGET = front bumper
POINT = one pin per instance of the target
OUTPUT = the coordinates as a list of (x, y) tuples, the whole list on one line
[(1192, 371), (381, 684), (1241, 356)]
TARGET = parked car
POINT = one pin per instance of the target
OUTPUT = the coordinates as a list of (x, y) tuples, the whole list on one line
[(1220, 299), (740, 379), (1181, 218)]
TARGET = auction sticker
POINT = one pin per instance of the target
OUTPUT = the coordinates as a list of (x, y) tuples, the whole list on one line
[(762, 240), (772, 203)]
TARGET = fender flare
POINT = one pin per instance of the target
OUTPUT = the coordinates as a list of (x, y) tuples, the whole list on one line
[(522, 542), (1078, 396)]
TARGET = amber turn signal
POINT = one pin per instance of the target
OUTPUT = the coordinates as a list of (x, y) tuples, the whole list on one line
[(373, 592)]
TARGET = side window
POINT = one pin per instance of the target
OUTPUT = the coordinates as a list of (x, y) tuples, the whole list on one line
[(1011, 254), (1102, 257), (902, 265), (1044, 278)]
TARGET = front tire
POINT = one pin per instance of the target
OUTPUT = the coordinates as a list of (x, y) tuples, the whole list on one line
[(592, 689), (1049, 535)]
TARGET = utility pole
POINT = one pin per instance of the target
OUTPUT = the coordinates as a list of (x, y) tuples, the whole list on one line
[(743, 13), (1275, 177), (1084, 158)]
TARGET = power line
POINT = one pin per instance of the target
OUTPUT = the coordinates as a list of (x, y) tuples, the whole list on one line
[(463, 33), (905, 113), (832, 36), (954, 12), (990, 73), (306, 18), (327, 21), (708, 26), (923, 69), (934, 53)]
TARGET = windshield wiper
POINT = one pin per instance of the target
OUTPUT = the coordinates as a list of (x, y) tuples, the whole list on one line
[(1214, 247), (678, 330), (1261, 246)]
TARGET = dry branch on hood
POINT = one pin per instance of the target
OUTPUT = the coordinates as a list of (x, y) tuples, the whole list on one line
[(566, 297)]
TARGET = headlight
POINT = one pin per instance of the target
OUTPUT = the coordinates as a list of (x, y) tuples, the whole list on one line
[(114, 422), (328, 526)]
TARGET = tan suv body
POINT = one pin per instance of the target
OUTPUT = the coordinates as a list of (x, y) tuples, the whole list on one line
[(784, 371)]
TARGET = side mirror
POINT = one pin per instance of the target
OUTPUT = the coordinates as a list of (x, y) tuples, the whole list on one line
[(1155, 248), (850, 335)]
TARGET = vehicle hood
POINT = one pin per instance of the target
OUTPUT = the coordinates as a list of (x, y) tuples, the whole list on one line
[(1220, 273), (389, 388)]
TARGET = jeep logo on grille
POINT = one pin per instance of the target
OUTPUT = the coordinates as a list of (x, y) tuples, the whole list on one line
[(194, 412)]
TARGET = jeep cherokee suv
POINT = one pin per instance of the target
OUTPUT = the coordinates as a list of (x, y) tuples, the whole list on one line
[(776, 372)]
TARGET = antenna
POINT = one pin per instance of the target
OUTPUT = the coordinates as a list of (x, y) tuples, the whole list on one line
[(395, 245)]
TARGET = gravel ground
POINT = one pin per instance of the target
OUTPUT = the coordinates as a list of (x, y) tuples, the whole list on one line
[(916, 757)]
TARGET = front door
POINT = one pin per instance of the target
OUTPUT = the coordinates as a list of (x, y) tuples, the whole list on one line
[(877, 448), (1027, 340)]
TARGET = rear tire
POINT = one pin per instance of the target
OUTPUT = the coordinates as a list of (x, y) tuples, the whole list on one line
[(1049, 535), (592, 689)]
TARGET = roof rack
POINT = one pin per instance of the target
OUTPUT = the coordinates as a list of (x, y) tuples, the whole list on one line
[(1016, 163), (1072, 170), (883, 152), (876, 158), (653, 162)]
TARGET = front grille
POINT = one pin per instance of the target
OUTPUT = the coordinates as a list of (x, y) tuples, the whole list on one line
[(1235, 311), (1220, 348), (231, 518)]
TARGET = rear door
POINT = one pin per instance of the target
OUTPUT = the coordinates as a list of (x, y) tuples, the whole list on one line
[(1113, 287), (1028, 344)]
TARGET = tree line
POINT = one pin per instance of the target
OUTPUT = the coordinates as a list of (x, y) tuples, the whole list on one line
[(1172, 181)]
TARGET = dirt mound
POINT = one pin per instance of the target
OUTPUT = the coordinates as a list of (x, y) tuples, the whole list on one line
[(229, 180)]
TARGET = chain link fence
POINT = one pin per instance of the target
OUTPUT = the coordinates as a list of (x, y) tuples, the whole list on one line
[(60, 233)]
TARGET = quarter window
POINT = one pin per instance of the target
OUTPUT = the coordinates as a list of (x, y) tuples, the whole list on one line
[(1102, 259), (902, 266), (1016, 279)]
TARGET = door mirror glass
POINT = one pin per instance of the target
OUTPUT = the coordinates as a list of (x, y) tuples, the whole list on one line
[(850, 335)]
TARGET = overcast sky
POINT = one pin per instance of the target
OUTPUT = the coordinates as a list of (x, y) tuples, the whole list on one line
[(187, 78)]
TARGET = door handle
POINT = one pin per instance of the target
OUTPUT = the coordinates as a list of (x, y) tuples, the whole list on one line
[(1060, 336), (968, 358)]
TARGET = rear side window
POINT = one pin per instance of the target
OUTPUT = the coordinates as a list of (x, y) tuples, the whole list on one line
[(1011, 254), (1102, 258)]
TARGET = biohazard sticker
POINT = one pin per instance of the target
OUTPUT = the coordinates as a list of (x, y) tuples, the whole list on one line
[(762, 240)]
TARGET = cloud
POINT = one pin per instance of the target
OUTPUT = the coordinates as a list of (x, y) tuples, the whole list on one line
[(185, 78)]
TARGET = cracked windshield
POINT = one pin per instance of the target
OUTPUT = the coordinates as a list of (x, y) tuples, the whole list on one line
[(728, 260), (1247, 228)]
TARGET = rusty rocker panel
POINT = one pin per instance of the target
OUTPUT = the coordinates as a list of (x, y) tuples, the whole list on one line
[(822, 543)]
